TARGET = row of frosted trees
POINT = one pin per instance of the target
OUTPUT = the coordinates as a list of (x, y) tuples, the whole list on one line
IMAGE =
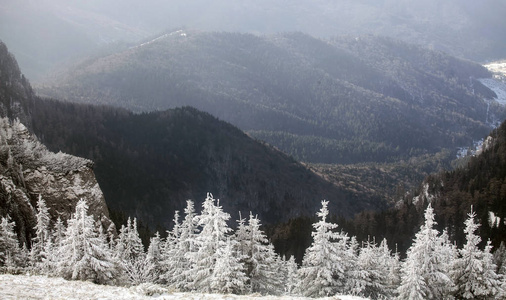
[(201, 253)]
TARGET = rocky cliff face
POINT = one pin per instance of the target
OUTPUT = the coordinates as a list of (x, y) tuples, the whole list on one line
[(28, 169), (16, 95)]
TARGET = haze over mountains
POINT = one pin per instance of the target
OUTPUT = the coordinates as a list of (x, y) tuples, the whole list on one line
[(149, 164), (45, 32), (344, 100), (357, 83)]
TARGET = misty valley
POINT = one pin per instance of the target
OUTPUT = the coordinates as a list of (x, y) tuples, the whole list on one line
[(180, 150)]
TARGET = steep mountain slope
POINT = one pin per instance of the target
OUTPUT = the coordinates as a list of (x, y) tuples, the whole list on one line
[(16, 95), (28, 170), (339, 101), (149, 164), (481, 183)]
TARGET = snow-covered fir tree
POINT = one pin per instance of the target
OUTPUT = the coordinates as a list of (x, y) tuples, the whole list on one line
[(154, 253), (10, 253), (42, 233), (49, 259), (495, 281), (242, 236), (131, 256), (389, 266), (179, 249), (49, 254), (83, 255), (291, 278), (423, 273), (500, 258), (357, 278), (171, 257), (140, 270), (228, 273), (129, 245), (448, 253), (259, 258), (58, 232), (413, 285), (369, 268), (474, 272), (212, 237), (323, 268)]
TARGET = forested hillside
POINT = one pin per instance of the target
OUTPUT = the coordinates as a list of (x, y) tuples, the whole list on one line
[(149, 164), (481, 183), (340, 101)]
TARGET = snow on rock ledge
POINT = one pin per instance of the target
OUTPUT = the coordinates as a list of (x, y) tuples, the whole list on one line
[(28, 169)]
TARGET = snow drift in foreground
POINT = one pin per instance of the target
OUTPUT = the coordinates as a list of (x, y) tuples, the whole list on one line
[(41, 287)]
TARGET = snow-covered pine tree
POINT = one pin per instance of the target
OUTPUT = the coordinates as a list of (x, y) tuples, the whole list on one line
[(390, 270), (356, 277), (370, 266), (228, 274), (111, 236), (154, 253), (10, 252), (140, 270), (129, 245), (322, 265), (259, 258), (58, 232), (42, 233), (291, 280), (423, 272), (449, 254), (413, 285), (186, 246), (242, 236), (500, 258), (50, 251), (171, 257), (49, 260), (212, 237), (154, 256), (83, 255), (495, 281), (131, 256), (474, 271)]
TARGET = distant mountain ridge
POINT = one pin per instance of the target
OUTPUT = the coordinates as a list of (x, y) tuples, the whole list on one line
[(46, 32), (344, 100), (149, 164)]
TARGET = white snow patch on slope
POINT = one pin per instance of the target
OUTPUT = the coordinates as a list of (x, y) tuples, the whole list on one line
[(180, 32), (41, 287), (498, 67), (493, 220), (425, 194), (498, 87)]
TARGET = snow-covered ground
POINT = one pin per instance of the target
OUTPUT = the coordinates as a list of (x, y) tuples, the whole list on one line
[(498, 67), (41, 287), (497, 83), (498, 87)]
